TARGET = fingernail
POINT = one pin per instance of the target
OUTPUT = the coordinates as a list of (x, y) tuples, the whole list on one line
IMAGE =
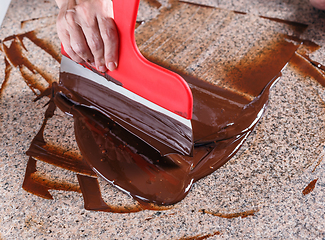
[(102, 68), (93, 64), (111, 66)]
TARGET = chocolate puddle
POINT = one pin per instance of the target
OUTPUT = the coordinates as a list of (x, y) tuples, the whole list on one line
[(222, 121), (219, 132)]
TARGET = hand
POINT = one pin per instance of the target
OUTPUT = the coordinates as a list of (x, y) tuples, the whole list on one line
[(88, 32)]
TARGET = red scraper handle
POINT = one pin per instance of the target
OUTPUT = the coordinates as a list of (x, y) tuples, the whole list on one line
[(150, 81)]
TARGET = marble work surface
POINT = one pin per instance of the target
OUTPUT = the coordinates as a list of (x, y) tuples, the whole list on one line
[(257, 194)]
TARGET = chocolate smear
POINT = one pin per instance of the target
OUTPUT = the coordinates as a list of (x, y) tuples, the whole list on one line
[(310, 187)]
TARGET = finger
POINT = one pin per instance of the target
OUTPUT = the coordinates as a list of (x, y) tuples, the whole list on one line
[(65, 39), (75, 57), (108, 31), (90, 29), (77, 39), (96, 46)]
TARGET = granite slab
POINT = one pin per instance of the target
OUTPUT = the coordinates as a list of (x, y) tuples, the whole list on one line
[(257, 194)]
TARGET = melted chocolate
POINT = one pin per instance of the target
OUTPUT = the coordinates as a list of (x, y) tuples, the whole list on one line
[(231, 215), (255, 74), (298, 27), (163, 133), (222, 121), (305, 66), (23, 23), (40, 186), (153, 3), (310, 187), (32, 36), (201, 237), (7, 74), (14, 53)]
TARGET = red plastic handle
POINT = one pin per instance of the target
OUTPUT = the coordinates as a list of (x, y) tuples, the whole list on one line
[(150, 81)]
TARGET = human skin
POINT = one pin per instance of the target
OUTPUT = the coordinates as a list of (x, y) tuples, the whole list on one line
[(88, 32), (320, 4)]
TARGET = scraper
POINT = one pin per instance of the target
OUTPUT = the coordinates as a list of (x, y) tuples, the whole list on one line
[(160, 90)]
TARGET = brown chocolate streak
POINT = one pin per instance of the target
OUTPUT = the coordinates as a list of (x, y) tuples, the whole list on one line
[(201, 237), (14, 54), (315, 64), (40, 150), (22, 23), (306, 68), (310, 187), (318, 163), (39, 185), (254, 74), (230, 215), (153, 3), (43, 44), (8, 69), (159, 216), (299, 27)]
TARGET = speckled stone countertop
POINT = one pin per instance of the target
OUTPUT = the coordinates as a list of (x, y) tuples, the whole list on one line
[(264, 180)]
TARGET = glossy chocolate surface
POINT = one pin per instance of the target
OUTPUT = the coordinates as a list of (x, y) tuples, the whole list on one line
[(222, 121)]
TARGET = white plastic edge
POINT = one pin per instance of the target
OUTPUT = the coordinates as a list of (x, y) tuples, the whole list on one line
[(69, 66)]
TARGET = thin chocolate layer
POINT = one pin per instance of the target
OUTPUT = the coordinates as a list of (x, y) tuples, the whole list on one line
[(222, 121), (164, 133)]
